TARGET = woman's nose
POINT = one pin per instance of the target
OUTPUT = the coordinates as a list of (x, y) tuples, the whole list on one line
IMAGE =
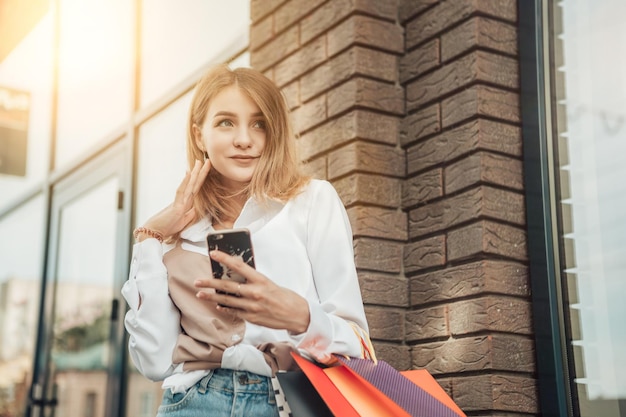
[(242, 138)]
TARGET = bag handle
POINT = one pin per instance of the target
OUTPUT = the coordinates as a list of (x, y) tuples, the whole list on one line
[(367, 348)]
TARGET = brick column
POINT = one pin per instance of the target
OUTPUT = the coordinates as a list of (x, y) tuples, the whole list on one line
[(469, 320), (411, 109)]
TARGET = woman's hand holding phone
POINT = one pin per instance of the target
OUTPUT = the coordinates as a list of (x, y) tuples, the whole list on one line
[(258, 300)]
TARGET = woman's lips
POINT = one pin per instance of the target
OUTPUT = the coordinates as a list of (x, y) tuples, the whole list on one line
[(244, 159)]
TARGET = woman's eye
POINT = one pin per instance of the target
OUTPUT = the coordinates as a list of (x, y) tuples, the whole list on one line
[(259, 124), (225, 123)]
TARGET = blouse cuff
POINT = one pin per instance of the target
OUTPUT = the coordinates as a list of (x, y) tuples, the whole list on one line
[(319, 335), (147, 258)]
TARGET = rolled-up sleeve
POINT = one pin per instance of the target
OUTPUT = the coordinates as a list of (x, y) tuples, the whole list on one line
[(331, 254), (152, 321)]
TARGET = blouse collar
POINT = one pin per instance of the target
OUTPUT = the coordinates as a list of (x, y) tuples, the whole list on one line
[(253, 217)]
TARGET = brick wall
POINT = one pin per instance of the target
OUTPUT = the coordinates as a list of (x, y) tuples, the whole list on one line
[(411, 110)]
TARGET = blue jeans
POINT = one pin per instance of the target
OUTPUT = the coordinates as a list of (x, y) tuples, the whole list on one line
[(224, 393)]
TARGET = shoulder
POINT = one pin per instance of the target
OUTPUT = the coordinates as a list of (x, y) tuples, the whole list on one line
[(317, 187), (318, 195), (311, 195)]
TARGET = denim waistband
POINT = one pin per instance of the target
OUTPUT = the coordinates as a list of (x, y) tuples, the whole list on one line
[(229, 380)]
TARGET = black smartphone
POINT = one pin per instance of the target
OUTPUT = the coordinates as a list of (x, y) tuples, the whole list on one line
[(235, 242)]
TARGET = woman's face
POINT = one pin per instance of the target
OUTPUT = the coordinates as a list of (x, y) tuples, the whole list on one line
[(233, 134)]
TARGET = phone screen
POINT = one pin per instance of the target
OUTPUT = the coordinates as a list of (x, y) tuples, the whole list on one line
[(235, 242)]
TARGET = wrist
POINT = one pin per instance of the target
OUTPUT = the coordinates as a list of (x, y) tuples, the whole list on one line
[(301, 321), (142, 233)]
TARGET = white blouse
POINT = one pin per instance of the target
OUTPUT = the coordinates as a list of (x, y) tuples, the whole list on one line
[(304, 245)]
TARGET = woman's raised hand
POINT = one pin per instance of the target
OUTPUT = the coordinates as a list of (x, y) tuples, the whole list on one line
[(176, 216)]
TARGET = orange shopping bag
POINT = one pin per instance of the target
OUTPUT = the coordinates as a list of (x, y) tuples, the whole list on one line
[(362, 388)]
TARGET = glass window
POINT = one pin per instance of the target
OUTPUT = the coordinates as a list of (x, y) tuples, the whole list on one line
[(590, 80), (21, 257), (25, 111), (162, 158), (95, 68), (177, 40)]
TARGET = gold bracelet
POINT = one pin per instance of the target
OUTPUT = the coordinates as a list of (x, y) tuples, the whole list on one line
[(152, 233)]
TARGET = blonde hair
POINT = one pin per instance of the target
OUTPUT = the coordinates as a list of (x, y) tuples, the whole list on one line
[(278, 175)]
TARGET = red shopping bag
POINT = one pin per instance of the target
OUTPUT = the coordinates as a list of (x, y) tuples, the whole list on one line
[(361, 387)]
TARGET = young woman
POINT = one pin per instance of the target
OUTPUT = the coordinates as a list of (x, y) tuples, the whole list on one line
[(215, 343)]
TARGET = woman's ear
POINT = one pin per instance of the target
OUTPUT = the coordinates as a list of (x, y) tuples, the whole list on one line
[(197, 136)]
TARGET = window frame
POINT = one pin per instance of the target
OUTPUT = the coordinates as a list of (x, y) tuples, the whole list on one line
[(556, 396)]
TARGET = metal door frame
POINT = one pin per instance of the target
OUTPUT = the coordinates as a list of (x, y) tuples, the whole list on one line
[(112, 161)]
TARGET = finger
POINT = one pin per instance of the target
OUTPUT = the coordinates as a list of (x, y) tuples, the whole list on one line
[(226, 286), (223, 299), (217, 284), (193, 178), (236, 264), (204, 283), (204, 171), (183, 185), (234, 311)]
